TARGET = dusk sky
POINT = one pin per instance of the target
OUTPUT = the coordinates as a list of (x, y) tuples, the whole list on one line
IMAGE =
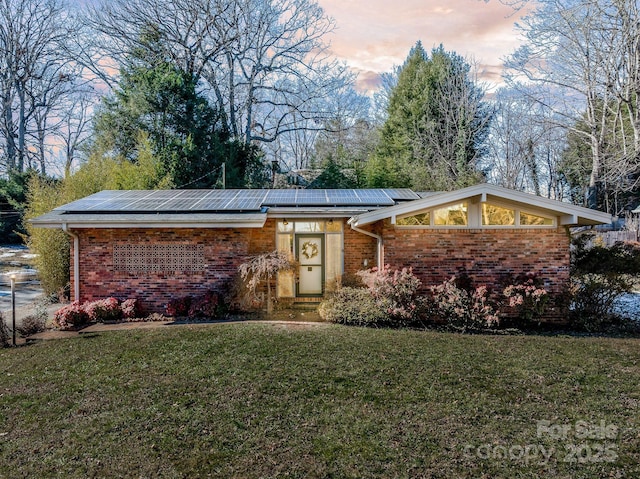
[(374, 35)]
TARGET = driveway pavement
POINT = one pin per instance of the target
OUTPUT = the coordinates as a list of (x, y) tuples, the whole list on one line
[(28, 295), (17, 260)]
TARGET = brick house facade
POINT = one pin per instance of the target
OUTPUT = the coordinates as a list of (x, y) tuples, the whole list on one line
[(223, 252), (127, 244), (486, 257)]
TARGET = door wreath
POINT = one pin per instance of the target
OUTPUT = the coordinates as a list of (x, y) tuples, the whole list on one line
[(309, 249)]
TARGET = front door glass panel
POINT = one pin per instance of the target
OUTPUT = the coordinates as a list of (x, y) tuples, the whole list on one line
[(310, 252)]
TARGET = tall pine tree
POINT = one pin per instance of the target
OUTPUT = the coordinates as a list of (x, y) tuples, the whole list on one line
[(436, 124)]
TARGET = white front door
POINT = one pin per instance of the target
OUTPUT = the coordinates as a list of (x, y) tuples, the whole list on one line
[(310, 255)]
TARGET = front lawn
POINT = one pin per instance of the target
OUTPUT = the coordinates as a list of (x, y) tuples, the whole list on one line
[(258, 400)]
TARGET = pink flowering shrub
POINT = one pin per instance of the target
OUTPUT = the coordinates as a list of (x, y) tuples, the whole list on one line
[(527, 298), (70, 317), (76, 315), (464, 310), (103, 310), (395, 292), (131, 309)]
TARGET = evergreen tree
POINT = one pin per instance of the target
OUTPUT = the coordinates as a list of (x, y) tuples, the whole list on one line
[(616, 188), (157, 98), (436, 125), (345, 150), (13, 195), (332, 176)]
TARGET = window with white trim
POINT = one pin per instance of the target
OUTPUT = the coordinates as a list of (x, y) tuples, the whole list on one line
[(494, 215), (528, 219)]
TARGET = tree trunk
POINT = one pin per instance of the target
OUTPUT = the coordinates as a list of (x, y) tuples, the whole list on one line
[(10, 139), (22, 127)]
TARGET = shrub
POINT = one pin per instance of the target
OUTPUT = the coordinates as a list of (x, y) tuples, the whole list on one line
[(34, 323), (239, 297), (208, 305), (70, 317), (527, 298), (104, 310), (31, 324), (179, 306), (463, 310), (5, 333), (395, 292), (131, 308), (621, 258), (264, 267), (50, 245), (353, 306), (593, 300)]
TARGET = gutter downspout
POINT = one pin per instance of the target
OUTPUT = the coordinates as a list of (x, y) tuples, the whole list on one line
[(380, 255), (76, 261)]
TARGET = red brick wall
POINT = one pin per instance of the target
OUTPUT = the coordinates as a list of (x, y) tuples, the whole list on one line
[(487, 256), (358, 248), (224, 250)]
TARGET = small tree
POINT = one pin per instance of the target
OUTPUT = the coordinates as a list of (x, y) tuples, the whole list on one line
[(264, 267)]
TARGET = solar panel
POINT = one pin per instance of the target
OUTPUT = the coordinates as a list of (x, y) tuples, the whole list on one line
[(176, 204), (144, 205), (113, 205), (281, 197), (210, 204), (91, 201), (193, 194), (81, 205), (311, 197), (135, 194), (164, 195), (342, 197), (104, 194), (246, 200), (401, 194), (233, 200), (374, 197), (426, 194)]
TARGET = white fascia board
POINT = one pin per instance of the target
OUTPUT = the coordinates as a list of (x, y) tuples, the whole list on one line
[(325, 213), (161, 225), (149, 223), (569, 220), (485, 192)]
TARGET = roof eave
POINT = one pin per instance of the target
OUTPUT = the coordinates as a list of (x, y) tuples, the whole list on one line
[(570, 215), (157, 222)]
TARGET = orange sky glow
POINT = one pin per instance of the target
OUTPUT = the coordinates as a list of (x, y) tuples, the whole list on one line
[(372, 36)]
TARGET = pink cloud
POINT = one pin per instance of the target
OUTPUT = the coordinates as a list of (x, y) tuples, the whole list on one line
[(374, 35)]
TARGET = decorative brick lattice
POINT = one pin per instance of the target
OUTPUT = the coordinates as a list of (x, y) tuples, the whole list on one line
[(158, 258)]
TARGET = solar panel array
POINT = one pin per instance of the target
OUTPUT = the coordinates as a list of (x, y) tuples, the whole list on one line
[(232, 200)]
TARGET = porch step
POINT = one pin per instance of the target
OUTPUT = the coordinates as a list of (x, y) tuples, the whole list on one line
[(305, 305)]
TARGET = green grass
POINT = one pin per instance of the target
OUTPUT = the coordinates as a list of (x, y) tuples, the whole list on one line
[(256, 400)]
